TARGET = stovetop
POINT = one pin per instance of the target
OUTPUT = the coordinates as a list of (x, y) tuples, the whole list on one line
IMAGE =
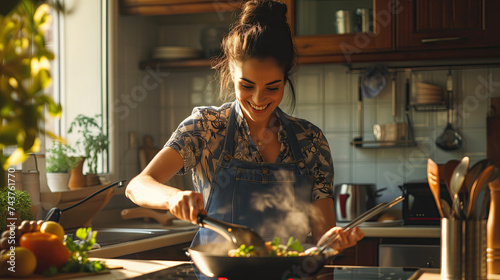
[(189, 271)]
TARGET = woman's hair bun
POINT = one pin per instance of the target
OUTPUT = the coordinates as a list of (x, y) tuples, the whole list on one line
[(264, 13)]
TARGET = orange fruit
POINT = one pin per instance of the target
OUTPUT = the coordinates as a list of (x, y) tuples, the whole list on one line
[(48, 249), (54, 228), (24, 262)]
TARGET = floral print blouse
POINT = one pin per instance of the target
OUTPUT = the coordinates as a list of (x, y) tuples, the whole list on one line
[(199, 139)]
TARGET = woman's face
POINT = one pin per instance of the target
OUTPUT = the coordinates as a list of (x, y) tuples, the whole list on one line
[(259, 85)]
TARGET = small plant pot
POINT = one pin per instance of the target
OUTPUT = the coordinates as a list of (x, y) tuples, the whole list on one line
[(93, 179), (58, 182), (77, 180)]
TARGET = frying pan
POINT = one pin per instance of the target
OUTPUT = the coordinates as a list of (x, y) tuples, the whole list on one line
[(213, 261)]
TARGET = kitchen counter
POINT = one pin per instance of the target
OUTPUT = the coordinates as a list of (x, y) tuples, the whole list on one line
[(134, 268), (127, 248), (403, 231), (132, 247)]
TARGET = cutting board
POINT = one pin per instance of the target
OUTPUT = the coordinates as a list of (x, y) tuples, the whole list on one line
[(61, 276)]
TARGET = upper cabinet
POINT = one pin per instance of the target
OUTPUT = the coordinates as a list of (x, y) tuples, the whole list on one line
[(349, 31), (446, 24), (340, 27), (176, 7)]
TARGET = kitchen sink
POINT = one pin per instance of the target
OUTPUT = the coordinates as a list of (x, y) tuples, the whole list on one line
[(111, 236)]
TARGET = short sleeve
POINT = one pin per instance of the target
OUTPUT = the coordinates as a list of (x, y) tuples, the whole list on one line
[(188, 140), (321, 167)]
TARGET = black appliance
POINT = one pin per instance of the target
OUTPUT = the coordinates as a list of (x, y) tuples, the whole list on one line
[(189, 271), (419, 206)]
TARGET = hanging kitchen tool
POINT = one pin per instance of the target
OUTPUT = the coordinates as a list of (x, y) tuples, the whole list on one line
[(411, 135), (357, 140), (450, 139)]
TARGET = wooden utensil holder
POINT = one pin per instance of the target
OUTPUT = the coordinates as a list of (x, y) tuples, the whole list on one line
[(493, 230)]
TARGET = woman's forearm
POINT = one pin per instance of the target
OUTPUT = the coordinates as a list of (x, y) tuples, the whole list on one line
[(147, 188)]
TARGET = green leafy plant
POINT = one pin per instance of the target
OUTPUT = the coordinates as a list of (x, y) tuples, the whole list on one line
[(93, 140), (24, 74), (20, 201), (59, 159), (79, 261)]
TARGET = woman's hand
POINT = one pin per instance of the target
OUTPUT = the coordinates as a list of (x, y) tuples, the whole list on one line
[(185, 205), (345, 240)]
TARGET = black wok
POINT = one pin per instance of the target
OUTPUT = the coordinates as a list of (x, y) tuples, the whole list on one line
[(213, 261)]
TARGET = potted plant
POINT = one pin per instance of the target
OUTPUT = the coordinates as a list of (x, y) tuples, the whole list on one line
[(93, 141), (59, 163)]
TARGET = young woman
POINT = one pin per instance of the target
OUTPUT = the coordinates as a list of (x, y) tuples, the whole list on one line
[(252, 164)]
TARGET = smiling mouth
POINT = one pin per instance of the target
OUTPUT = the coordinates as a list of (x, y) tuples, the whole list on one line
[(259, 108)]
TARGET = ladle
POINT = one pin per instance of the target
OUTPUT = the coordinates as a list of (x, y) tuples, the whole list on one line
[(236, 234), (449, 167), (456, 183), (450, 139)]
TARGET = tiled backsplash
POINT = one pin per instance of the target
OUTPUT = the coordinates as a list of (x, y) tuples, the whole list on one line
[(326, 96)]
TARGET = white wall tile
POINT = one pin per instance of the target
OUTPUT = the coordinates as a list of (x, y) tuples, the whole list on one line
[(310, 85), (340, 146), (342, 173), (338, 118), (336, 88)]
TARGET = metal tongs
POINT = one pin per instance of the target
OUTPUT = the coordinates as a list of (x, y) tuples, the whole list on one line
[(354, 223)]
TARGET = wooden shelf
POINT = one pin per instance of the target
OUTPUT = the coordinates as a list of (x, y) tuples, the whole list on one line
[(383, 144), (184, 64), (434, 107)]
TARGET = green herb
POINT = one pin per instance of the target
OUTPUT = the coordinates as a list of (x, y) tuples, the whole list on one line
[(20, 201), (294, 245), (59, 159), (79, 261)]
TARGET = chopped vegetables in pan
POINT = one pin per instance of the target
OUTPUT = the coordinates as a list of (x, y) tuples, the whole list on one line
[(275, 248)]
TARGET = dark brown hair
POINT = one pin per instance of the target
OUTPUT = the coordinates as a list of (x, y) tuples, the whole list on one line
[(260, 32)]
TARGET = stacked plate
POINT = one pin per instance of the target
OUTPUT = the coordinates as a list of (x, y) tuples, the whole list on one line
[(175, 52), (429, 93)]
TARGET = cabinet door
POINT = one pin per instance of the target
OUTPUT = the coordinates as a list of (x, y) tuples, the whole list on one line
[(341, 27), (441, 24)]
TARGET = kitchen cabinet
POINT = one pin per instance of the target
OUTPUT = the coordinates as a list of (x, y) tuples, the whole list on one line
[(339, 27), (176, 7), (431, 24), (365, 253), (345, 31)]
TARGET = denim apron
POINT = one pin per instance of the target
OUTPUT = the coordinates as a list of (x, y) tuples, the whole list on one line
[(270, 198)]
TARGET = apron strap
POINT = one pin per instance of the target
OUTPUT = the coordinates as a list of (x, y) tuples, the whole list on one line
[(230, 131), (292, 137)]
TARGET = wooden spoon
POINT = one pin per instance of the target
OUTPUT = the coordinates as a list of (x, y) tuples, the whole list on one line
[(474, 173), (482, 180), (433, 179)]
